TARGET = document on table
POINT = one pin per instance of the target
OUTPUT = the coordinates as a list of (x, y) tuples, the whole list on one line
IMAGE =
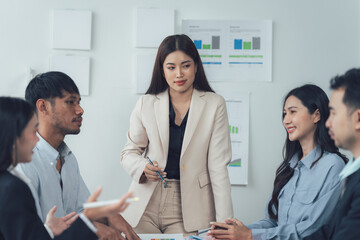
[(161, 236)]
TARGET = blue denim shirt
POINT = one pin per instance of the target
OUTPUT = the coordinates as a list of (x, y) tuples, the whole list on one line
[(306, 201), (45, 180)]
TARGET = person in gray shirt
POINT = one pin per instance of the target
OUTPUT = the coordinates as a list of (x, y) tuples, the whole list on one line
[(54, 172)]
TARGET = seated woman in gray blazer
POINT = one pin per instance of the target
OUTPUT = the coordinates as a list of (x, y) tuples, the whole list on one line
[(307, 184), (18, 216), (181, 125)]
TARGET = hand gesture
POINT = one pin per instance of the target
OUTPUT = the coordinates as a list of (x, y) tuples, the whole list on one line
[(106, 211), (58, 225)]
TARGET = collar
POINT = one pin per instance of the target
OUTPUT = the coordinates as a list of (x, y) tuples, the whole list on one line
[(50, 153), (307, 160), (352, 166), (18, 173)]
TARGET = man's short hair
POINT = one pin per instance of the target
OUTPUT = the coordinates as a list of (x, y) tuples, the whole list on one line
[(48, 86), (350, 82)]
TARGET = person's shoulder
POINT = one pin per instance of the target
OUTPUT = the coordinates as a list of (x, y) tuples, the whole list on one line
[(211, 96), (11, 185), (331, 161)]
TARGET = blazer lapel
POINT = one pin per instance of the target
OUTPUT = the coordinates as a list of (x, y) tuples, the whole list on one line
[(161, 107), (196, 108)]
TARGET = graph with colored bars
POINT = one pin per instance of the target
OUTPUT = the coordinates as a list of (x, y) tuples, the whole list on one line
[(239, 44), (233, 129), (215, 43)]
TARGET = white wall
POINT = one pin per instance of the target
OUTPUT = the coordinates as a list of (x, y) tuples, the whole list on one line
[(312, 41)]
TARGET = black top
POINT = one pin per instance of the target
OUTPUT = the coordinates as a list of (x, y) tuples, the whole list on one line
[(19, 219), (345, 221), (175, 144)]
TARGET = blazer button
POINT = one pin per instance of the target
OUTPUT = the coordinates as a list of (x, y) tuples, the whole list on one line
[(182, 167)]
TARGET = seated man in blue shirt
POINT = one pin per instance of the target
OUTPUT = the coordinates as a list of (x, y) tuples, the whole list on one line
[(54, 171), (344, 128)]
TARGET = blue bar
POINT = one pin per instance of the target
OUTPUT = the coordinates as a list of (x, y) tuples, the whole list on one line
[(211, 62), (237, 43), (198, 44)]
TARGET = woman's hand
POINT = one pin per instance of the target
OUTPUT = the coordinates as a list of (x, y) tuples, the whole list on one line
[(106, 211), (58, 225), (232, 229), (151, 174)]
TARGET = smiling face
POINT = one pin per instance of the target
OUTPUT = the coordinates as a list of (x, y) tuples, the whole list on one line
[(340, 122), (297, 120), (179, 72), (26, 142), (66, 113)]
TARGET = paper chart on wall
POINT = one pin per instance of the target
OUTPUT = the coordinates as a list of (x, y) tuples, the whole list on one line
[(238, 114), (233, 50)]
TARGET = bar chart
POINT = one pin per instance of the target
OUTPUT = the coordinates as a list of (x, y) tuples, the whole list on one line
[(215, 43)]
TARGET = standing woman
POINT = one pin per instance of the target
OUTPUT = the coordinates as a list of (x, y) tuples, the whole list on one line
[(307, 184), (18, 216), (182, 126)]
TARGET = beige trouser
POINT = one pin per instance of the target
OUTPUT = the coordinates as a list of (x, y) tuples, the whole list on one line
[(163, 213)]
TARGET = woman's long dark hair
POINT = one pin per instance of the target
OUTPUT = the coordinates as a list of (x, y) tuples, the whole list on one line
[(171, 44), (15, 114), (313, 98)]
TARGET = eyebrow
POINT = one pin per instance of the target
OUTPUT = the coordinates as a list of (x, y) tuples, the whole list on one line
[(74, 97), (291, 107), (187, 61)]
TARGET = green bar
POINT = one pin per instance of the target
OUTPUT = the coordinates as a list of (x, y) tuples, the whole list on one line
[(247, 45), (229, 128), (236, 164), (246, 56), (237, 129), (233, 129), (208, 46), (211, 56)]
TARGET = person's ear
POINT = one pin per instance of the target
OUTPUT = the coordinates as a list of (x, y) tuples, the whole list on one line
[(316, 116), (356, 116), (42, 106)]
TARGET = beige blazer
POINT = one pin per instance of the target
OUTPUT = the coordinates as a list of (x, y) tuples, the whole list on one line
[(205, 154)]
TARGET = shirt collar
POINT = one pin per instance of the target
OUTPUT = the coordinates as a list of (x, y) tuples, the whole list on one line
[(352, 166), (18, 173), (308, 160), (51, 154)]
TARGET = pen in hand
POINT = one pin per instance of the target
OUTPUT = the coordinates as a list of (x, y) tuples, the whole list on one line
[(162, 179)]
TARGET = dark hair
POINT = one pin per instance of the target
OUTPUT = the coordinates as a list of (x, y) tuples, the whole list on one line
[(313, 98), (350, 81), (171, 44), (15, 114), (48, 86)]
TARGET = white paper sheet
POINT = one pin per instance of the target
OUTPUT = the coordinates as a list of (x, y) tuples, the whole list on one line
[(237, 106), (77, 67), (153, 25), (161, 236), (71, 29)]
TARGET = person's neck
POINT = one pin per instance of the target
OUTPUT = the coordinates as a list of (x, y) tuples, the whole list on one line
[(178, 97), (307, 146), (52, 137), (356, 152)]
